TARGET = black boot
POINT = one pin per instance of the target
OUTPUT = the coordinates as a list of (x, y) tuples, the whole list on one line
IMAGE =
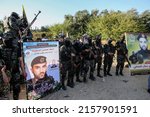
[(64, 87), (78, 80), (16, 91), (109, 74), (121, 74), (84, 79), (98, 74), (117, 74), (148, 90), (92, 78), (63, 83), (105, 74)]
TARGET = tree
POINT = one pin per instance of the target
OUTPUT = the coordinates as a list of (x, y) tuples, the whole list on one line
[(112, 24), (144, 21), (56, 29), (44, 28)]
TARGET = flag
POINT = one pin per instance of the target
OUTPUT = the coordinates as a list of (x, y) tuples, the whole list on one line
[(26, 24), (24, 16)]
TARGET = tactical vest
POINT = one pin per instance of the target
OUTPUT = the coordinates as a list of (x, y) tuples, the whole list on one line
[(10, 56), (65, 53)]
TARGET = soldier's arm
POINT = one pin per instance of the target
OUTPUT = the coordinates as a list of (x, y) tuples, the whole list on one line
[(6, 76), (22, 67)]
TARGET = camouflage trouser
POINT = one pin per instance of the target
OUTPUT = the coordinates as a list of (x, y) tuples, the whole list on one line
[(86, 66), (66, 69), (92, 68), (15, 83), (120, 64), (77, 71), (4, 91), (107, 64), (99, 64)]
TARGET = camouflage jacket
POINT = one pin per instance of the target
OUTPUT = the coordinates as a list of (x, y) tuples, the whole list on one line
[(41, 87)]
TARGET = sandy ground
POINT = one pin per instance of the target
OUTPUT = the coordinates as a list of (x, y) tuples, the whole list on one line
[(114, 88)]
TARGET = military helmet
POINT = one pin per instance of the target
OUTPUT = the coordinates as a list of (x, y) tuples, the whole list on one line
[(98, 37), (14, 14), (122, 38), (67, 42), (109, 41)]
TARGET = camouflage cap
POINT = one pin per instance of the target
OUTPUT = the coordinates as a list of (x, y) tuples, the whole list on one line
[(38, 59)]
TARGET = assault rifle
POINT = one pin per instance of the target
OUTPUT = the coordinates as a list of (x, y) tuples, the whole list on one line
[(24, 32)]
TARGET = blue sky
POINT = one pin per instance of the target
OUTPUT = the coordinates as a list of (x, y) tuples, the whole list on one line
[(53, 11)]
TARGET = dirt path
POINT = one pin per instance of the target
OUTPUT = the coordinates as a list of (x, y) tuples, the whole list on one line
[(114, 88)]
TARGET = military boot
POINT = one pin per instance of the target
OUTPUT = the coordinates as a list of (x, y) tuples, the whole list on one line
[(121, 74), (16, 91), (78, 80), (63, 84), (92, 77), (121, 71), (99, 75), (84, 79), (117, 71), (148, 90), (109, 74)]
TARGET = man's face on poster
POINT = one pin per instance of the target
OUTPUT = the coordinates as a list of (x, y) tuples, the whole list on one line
[(143, 43), (39, 70)]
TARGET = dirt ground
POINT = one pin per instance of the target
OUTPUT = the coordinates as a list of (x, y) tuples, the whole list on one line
[(114, 88)]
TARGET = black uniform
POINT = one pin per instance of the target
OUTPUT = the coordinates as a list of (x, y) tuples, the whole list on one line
[(109, 51), (121, 56)]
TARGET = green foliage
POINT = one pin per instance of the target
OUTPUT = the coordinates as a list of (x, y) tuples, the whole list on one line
[(77, 25), (56, 29), (112, 24), (144, 21)]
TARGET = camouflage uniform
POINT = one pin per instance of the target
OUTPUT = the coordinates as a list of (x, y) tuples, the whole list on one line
[(99, 54), (66, 51), (86, 61), (77, 60), (92, 57), (40, 88), (109, 51), (121, 56), (12, 51)]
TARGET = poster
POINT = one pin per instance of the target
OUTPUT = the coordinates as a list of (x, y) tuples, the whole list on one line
[(42, 67), (138, 45)]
